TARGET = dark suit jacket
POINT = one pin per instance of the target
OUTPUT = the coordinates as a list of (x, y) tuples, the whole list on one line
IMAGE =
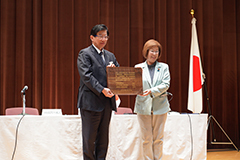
[(93, 79)]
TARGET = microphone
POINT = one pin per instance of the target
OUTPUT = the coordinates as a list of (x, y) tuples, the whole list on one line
[(170, 94), (24, 89)]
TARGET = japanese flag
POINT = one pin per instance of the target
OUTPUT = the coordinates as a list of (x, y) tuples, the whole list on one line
[(195, 74)]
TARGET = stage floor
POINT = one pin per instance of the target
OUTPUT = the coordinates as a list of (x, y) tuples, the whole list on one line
[(223, 154)]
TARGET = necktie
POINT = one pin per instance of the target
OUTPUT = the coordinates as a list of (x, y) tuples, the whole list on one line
[(101, 55)]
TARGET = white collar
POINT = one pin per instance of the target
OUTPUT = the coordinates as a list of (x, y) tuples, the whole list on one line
[(98, 49)]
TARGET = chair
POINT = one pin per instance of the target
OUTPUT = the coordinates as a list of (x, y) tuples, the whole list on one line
[(124, 110), (19, 110)]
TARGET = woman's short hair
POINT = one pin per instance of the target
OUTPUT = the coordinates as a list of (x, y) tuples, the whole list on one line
[(148, 45), (97, 28)]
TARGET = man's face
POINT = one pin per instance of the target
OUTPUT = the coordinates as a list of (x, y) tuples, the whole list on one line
[(100, 40)]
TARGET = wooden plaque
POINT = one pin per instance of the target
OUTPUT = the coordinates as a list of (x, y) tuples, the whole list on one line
[(125, 80)]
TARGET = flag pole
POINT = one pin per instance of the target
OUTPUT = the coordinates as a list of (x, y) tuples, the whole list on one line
[(214, 141), (192, 13), (206, 92), (210, 114)]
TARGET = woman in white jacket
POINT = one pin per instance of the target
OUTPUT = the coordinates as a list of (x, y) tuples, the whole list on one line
[(152, 106)]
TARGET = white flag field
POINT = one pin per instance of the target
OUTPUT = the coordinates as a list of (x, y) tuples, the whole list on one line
[(195, 74)]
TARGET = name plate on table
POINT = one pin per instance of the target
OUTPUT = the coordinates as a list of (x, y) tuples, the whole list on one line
[(51, 112), (125, 80)]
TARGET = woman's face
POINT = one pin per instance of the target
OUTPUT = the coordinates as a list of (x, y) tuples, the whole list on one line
[(152, 55)]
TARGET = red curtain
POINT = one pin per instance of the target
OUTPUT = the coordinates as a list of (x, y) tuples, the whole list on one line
[(40, 41)]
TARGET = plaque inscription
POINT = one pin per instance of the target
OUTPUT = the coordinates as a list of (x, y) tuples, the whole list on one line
[(125, 80)]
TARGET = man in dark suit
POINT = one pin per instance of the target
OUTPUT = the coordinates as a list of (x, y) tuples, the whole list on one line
[(95, 100)]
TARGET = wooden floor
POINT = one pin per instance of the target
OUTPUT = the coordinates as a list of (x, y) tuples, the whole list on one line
[(223, 154)]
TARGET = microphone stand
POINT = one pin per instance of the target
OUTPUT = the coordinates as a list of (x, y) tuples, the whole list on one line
[(24, 103), (24, 100), (23, 114)]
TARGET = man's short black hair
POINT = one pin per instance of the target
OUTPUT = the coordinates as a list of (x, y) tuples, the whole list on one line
[(97, 28)]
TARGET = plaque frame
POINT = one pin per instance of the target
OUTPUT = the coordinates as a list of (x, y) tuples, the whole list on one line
[(125, 80)]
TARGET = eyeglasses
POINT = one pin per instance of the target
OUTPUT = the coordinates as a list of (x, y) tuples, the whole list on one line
[(153, 51), (102, 37)]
